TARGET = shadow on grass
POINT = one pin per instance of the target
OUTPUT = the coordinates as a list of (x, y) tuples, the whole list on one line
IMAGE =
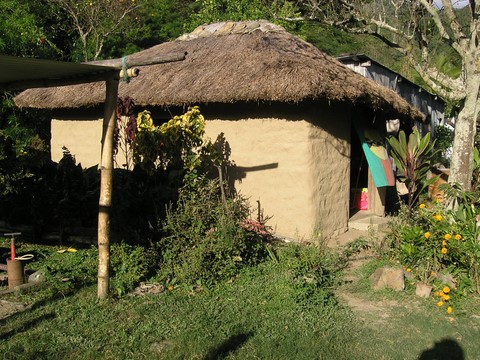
[(47, 300), (27, 325), (446, 349), (228, 346)]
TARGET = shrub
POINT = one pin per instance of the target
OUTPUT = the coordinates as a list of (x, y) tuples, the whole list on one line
[(439, 242), (129, 265), (206, 240)]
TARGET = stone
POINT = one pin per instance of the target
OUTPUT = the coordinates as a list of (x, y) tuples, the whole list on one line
[(423, 290), (447, 279), (37, 276), (388, 277)]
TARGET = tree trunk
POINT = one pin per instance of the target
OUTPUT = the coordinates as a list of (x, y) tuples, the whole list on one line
[(105, 201), (461, 165)]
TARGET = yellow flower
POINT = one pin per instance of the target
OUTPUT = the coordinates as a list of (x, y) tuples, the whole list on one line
[(446, 297), (422, 206), (427, 235), (449, 310), (444, 250), (447, 236), (444, 243), (438, 293), (440, 303), (170, 288), (458, 237), (438, 217), (408, 270), (446, 290)]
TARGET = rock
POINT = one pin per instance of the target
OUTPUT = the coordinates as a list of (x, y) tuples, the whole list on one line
[(447, 279), (388, 277), (37, 276), (423, 290)]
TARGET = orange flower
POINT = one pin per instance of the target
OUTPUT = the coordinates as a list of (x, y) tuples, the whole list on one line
[(446, 290), (427, 235), (444, 250), (458, 237), (447, 236), (449, 310), (446, 297)]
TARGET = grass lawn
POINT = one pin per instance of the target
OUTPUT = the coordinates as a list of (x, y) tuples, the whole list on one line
[(267, 312)]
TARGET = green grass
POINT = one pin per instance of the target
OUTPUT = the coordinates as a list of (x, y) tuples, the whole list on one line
[(271, 311)]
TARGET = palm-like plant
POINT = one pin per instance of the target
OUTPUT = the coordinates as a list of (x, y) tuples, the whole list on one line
[(412, 160)]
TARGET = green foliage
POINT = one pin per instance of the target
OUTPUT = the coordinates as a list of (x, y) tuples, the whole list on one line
[(21, 29), (314, 274), (129, 265), (72, 269), (438, 241), (443, 143), (177, 144), (211, 11), (413, 161), (330, 40), (206, 240)]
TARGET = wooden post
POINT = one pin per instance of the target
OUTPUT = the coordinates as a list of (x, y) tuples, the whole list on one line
[(106, 172), (376, 197)]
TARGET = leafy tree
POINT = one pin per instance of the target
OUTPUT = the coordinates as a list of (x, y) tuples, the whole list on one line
[(21, 31), (152, 23), (210, 11), (95, 20), (415, 28)]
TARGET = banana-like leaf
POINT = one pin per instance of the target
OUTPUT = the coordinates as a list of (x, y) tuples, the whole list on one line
[(424, 144)]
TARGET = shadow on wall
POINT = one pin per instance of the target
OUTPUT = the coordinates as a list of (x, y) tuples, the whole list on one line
[(446, 349), (234, 172)]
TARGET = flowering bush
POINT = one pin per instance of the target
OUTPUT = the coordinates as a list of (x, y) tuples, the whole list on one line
[(440, 246)]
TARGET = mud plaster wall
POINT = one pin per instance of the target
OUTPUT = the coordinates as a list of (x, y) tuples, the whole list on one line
[(82, 138), (329, 149), (282, 189), (298, 172)]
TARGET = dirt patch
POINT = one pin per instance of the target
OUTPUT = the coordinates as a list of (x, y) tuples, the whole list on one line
[(374, 313)]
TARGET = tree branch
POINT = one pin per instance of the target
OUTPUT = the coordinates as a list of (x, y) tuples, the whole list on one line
[(448, 88), (453, 21)]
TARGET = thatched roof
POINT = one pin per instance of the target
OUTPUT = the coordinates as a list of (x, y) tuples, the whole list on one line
[(229, 62)]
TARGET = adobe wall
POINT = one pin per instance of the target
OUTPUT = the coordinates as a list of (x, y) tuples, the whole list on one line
[(298, 170), (82, 138), (329, 166), (274, 154)]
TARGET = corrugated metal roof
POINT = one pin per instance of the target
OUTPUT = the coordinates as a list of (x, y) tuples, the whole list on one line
[(21, 73)]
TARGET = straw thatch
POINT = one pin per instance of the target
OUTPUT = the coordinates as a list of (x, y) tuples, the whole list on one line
[(229, 62)]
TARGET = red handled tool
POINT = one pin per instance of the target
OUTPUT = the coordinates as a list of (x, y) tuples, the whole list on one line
[(12, 243)]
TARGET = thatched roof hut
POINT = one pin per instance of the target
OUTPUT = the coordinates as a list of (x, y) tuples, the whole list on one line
[(285, 108), (229, 62)]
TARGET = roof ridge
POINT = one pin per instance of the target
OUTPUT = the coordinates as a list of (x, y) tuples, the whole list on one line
[(229, 27)]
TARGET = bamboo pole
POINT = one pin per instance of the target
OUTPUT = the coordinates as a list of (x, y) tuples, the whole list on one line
[(105, 200), (117, 63)]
